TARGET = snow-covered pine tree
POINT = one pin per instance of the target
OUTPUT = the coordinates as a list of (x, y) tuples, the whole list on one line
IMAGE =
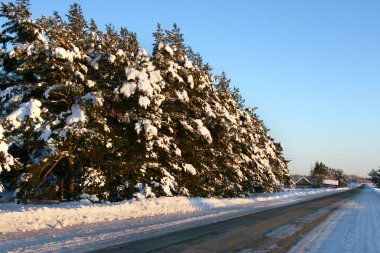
[(87, 111), (49, 136), (19, 38), (374, 177)]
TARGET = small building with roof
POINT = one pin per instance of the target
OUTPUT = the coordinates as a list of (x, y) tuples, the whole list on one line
[(303, 182)]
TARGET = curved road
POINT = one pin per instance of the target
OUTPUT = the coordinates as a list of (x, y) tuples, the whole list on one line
[(274, 230)]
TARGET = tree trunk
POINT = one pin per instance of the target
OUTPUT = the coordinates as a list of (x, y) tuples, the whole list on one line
[(70, 172), (61, 190), (70, 160)]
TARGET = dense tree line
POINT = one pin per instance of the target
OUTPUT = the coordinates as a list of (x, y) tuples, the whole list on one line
[(89, 111), (374, 177), (356, 179), (321, 172), (345, 178)]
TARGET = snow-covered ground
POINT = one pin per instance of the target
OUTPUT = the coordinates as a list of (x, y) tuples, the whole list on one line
[(82, 226), (353, 227)]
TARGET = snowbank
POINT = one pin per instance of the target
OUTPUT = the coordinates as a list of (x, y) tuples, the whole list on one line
[(15, 217)]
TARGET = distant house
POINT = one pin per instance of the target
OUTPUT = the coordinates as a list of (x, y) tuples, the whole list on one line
[(330, 183), (292, 184), (303, 182)]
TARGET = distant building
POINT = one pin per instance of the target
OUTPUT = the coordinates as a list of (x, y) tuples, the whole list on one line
[(292, 184), (330, 183), (303, 182)]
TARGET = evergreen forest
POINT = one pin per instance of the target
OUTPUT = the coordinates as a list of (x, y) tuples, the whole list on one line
[(88, 112)]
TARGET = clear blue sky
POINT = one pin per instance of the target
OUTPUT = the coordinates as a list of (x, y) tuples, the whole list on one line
[(312, 67)]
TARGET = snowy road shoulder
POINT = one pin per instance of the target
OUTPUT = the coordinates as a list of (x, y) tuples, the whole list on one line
[(15, 217), (353, 227), (76, 226)]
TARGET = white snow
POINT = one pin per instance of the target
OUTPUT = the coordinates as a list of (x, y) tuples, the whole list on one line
[(79, 75), (203, 130), (1, 132), (144, 101), (209, 111), (169, 49), (143, 83), (61, 53), (77, 52), (3, 147), (84, 197), (190, 80), (83, 67), (168, 183), (93, 177), (90, 83), (56, 122), (128, 89), (83, 226), (8, 158), (95, 98), (111, 58), (138, 128), (155, 76), (149, 129), (94, 63), (77, 115), (190, 168), (353, 227), (330, 182), (48, 90), (182, 95), (188, 64), (46, 133), (187, 126), (13, 93), (17, 217), (164, 142), (145, 86), (30, 109), (240, 174), (145, 191), (143, 55), (131, 74), (64, 54), (120, 53), (173, 70)]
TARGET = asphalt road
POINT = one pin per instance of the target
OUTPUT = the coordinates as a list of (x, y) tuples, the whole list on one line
[(274, 230)]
